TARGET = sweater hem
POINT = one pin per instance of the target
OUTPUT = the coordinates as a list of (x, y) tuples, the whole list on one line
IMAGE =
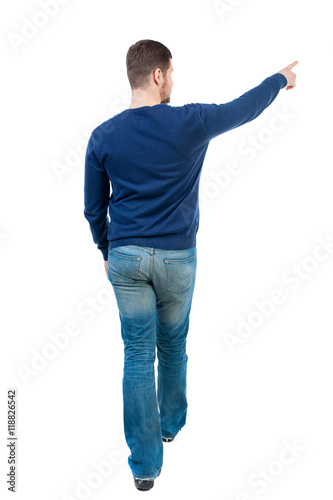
[(170, 242)]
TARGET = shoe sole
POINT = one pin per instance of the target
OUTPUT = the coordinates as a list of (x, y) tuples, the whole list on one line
[(144, 488)]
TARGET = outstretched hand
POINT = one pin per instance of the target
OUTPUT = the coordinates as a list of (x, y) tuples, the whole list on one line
[(291, 77)]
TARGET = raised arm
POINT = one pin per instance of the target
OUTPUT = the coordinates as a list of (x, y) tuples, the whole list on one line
[(219, 118)]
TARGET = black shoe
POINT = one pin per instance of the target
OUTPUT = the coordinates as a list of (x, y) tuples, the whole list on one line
[(145, 484), (167, 440)]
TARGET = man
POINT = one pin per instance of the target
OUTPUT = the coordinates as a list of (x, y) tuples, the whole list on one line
[(153, 155)]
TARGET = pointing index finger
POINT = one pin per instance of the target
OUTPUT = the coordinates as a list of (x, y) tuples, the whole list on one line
[(292, 65)]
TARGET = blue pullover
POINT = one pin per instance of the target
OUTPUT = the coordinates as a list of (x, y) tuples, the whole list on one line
[(153, 156)]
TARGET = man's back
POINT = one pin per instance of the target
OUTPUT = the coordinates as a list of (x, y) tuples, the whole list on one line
[(153, 156)]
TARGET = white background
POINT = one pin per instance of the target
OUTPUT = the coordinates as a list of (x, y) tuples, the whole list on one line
[(244, 405)]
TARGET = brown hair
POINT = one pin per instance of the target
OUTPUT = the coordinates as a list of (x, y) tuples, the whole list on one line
[(143, 58)]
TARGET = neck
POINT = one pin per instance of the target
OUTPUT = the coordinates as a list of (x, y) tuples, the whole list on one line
[(142, 98)]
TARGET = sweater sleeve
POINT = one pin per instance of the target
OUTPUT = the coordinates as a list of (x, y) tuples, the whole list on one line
[(96, 198), (219, 118)]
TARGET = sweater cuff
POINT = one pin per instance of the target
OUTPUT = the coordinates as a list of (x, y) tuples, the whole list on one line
[(282, 79), (105, 254)]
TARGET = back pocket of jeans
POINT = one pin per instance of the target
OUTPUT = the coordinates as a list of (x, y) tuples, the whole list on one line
[(123, 268), (179, 274)]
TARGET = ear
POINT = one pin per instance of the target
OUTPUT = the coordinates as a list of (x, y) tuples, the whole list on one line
[(157, 76)]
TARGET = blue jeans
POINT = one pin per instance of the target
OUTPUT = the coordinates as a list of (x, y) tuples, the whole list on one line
[(153, 290)]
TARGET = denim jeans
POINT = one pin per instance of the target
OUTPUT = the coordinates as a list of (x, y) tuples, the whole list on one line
[(153, 290)]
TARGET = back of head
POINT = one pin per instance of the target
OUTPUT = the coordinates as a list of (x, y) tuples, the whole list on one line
[(143, 58)]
